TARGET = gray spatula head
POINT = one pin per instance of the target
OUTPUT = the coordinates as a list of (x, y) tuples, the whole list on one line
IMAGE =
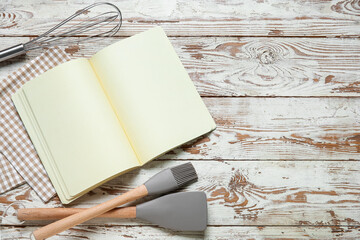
[(184, 211)]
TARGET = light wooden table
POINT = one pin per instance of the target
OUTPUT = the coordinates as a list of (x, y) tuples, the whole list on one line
[(281, 79)]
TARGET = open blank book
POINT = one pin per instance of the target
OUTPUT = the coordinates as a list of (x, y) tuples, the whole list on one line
[(91, 120)]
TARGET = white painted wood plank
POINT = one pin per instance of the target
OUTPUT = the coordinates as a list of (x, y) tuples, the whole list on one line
[(212, 233), (195, 18), (224, 66), (242, 193), (279, 128)]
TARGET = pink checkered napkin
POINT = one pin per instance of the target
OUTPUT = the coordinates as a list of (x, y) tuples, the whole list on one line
[(15, 143)]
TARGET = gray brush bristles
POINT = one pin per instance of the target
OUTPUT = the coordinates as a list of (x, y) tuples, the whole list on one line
[(184, 173)]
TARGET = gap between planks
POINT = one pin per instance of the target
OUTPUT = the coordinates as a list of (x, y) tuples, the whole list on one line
[(204, 36), (257, 160), (155, 226)]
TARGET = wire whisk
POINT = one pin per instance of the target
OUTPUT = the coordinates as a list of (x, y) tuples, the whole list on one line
[(73, 30)]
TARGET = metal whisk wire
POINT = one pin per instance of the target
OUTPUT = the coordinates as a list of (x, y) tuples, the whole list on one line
[(105, 24)]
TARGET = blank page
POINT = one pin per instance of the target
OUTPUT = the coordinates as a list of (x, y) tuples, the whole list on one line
[(152, 93), (78, 136)]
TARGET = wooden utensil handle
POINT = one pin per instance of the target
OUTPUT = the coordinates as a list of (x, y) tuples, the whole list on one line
[(70, 221), (59, 213)]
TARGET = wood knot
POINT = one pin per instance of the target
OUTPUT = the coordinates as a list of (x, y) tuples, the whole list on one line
[(12, 18), (238, 182), (267, 56), (349, 7), (240, 195)]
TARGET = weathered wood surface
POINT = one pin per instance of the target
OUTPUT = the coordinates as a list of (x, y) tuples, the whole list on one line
[(281, 79), (279, 128), (212, 233), (198, 18), (230, 66), (240, 193)]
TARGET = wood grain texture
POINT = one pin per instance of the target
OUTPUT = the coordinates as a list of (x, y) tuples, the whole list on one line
[(281, 79), (212, 233), (229, 66), (256, 193), (198, 18), (279, 128)]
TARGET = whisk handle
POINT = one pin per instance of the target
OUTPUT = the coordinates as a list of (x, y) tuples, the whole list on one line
[(12, 52)]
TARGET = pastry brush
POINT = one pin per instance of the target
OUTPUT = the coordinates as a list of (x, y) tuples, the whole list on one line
[(163, 182)]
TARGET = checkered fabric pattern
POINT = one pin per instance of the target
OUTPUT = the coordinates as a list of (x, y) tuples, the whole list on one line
[(15, 144), (9, 178)]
